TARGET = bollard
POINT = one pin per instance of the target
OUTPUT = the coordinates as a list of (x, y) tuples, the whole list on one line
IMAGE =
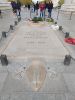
[(11, 27), (15, 23), (4, 60), (4, 34), (67, 60), (60, 28), (66, 34), (19, 19), (55, 22)]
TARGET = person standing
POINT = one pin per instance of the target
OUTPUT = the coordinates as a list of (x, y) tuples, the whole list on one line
[(19, 8), (42, 9), (50, 7), (34, 7), (37, 7), (14, 7), (28, 6)]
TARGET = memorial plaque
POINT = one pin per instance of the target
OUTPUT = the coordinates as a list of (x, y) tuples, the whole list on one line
[(35, 41)]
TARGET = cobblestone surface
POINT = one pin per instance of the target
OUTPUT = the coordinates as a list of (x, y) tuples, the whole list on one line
[(60, 80)]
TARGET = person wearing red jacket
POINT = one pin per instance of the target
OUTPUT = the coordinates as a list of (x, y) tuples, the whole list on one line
[(42, 9)]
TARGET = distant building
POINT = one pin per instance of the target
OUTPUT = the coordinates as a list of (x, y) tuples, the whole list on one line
[(4, 5), (69, 1)]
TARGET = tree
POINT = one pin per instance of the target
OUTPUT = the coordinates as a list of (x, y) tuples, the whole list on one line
[(23, 1), (61, 2), (26, 1)]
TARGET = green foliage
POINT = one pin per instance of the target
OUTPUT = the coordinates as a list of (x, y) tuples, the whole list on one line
[(50, 20), (23, 1), (61, 2), (37, 19)]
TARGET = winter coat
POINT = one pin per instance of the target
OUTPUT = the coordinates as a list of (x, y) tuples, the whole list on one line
[(42, 7), (14, 5), (18, 5), (50, 6), (37, 6)]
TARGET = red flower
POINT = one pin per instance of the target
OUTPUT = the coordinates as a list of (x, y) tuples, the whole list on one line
[(70, 40)]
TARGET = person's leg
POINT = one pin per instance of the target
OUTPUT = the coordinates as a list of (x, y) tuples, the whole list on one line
[(34, 9), (19, 12), (44, 13), (36, 12), (51, 12), (0, 14), (48, 13), (40, 13)]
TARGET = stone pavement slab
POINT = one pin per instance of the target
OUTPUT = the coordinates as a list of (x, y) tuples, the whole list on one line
[(68, 26), (3, 77), (70, 81), (35, 40), (60, 80)]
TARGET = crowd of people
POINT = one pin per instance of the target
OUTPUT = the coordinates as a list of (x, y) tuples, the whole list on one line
[(42, 6), (16, 7), (39, 8)]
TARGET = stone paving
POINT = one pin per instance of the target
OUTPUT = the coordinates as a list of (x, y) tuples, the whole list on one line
[(60, 80), (68, 26), (32, 39)]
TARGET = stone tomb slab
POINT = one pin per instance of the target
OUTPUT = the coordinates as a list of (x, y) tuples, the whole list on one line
[(3, 77), (70, 81), (35, 41)]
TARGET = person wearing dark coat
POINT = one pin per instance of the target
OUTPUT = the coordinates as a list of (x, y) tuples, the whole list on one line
[(50, 7), (34, 7), (19, 8), (37, 7), (14, 6), (28, 6)]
